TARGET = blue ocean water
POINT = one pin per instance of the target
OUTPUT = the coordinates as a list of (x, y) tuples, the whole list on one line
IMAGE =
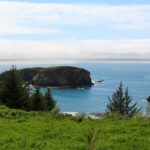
[(134, 75)]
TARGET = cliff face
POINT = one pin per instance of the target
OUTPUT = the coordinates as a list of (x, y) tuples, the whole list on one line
[(57, 76)]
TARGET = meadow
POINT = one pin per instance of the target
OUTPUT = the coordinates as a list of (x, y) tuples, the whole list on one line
[(21, 130)]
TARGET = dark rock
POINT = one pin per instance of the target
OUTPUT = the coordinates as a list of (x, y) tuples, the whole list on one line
[(148, 99), (65, 76), (99, 81)]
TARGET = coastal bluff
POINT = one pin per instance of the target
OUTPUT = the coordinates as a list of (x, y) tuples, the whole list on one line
[(62, 76)]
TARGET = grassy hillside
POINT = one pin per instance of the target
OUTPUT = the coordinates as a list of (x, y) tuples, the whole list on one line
[(20, 130)]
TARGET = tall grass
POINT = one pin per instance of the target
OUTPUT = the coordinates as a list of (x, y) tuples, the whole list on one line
[(20, 130)]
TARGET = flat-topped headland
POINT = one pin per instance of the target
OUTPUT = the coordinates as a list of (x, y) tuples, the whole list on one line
[(61, 76)]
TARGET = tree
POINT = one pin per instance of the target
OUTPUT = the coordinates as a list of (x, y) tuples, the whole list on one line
[(121, 103), (37, 101), (50, 103), (14, 92)]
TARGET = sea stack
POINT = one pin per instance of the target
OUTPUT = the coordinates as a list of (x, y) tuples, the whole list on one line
[(63, 76)]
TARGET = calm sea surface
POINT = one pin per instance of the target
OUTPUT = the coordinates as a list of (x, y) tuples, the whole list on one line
[(135, 75)]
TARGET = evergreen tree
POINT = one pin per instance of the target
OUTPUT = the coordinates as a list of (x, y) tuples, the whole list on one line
[(1, 103), (50, 103), (121, 102), (14, 92), (37, 101)]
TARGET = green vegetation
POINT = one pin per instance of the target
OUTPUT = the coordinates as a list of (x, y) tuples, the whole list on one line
[(21, 130), (45, 128), (39, 102), (15, 93), (121, 103), (50, 103)]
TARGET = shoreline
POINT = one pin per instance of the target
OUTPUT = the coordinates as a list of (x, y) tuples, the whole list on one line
[(86, 115)]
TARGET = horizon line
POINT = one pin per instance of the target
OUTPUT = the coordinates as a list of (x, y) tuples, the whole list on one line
[(74, 59)]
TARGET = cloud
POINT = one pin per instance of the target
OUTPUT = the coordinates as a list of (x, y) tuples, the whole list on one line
[(16, 18), (12, 28), (84, 49), (48, 18), (26, 17)]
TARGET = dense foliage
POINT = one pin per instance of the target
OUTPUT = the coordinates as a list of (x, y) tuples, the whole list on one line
[(121, 103), (50, 103), (15, 93), (39, 102)]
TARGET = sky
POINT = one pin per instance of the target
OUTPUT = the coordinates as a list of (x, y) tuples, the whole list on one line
[(75, 29)]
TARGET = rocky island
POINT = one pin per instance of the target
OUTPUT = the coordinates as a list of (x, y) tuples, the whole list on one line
[(64, 76)]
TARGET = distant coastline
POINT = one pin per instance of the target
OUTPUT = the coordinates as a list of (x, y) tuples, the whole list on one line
[(74, 59)]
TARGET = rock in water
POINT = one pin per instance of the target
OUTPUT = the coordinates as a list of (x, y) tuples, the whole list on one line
[(65, 76), (148, 99)]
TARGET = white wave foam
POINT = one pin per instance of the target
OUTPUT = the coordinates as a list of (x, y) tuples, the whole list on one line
[(77, 113), (70, 113), (144, 100), (96, 82)]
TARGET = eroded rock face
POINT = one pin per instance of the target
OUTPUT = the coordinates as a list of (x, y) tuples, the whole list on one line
[(65, 76)]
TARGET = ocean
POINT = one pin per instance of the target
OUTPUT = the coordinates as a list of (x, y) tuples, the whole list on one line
[(134, 75)]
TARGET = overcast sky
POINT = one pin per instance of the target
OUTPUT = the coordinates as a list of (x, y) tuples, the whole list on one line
[(75, 29)]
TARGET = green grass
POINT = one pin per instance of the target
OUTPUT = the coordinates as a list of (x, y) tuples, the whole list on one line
[(20, 130)]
